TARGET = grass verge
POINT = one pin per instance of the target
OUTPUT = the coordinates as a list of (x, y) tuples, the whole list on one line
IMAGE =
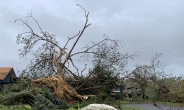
[(16, 107)]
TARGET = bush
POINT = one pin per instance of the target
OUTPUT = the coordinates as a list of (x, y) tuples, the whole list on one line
[(24, 93), (100, 81), (46, 100)]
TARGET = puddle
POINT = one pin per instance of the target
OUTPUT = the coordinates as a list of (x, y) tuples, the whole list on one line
[(151, 107)]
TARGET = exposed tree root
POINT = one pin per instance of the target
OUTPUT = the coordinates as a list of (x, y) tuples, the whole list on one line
[(59, 88)]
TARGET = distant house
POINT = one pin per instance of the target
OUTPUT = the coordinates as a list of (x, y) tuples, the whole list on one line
[(7, 76)]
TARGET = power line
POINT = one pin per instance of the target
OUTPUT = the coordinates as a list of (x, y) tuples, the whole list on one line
[(174, 54), (175, 57), (171, 51)]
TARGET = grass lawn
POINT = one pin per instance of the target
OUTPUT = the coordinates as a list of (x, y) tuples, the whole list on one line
[(16, 107), (115, 104), (171, 104), (120, 103)]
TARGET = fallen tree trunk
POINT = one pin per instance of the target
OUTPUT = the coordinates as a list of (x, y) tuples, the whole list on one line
[(59, 88)]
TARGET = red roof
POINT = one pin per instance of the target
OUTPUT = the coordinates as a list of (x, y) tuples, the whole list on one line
[(4, 72)]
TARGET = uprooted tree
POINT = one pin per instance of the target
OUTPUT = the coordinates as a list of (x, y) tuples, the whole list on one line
[(151, 75), (141, 76), (50, 61)]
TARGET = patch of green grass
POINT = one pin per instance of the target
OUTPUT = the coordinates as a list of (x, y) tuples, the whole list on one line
[(139, 101), (128, 108), (119, 103), (16, 107), (170, 104)]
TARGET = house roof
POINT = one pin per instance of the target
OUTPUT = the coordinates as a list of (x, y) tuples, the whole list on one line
[(4, 72)]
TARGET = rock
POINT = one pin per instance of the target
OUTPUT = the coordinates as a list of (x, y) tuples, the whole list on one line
[(98, 107), (27, 107)]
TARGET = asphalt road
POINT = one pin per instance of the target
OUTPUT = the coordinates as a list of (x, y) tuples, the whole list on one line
[(151, 107)]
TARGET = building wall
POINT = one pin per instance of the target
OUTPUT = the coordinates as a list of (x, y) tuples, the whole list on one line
[(9, 78)]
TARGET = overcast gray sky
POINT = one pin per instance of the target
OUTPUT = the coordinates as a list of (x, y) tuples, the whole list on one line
[(147, 26)]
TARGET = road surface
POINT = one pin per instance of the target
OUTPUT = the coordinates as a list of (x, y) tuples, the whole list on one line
[(151, 107)]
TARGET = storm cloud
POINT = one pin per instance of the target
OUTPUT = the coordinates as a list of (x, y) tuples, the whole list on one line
[(148, 27)]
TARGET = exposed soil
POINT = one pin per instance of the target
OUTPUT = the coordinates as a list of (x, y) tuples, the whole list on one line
[(59, 88)]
